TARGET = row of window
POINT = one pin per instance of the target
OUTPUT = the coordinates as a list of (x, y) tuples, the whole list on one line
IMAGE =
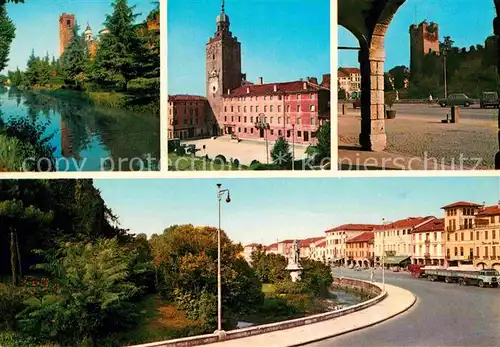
[(360, 254), (312, 96), (392, 233), (465, 211), (289, 133), (427, 236), (397, 248), (420, 250), (486, 252), (298, 108), (298, 120), (485, 233), (192, 111)]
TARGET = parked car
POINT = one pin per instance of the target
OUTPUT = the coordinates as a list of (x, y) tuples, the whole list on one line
[(456, 99), (356, 103), (489, 99)]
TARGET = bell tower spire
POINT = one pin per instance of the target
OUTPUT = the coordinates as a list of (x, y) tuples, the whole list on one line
[(222, 11)]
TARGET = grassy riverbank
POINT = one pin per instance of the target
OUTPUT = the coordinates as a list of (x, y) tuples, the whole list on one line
[(141, 105)]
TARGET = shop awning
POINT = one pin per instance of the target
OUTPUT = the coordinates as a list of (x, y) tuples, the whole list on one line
[(395, 260)]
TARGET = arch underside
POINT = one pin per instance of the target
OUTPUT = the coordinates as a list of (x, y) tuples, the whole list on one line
[(368, 21)]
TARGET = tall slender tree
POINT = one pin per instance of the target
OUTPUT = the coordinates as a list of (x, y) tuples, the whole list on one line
[(7, 35)]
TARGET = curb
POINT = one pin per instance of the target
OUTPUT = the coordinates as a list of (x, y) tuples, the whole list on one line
[(358, 328)]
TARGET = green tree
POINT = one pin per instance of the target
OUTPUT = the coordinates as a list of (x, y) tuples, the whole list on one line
[(13, 215), (92, 299), (7, 35), (322, 150), (75, 59), (122, 51), (186, 263), (280, 153)]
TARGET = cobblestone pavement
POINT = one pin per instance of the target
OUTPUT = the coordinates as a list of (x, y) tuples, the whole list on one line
[(245, 151), (417, 131)]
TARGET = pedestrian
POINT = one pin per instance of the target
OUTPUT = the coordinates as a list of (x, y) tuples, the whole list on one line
[(430, 99)]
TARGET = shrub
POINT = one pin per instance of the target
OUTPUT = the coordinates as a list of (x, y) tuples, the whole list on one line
[(254, 162), (144, 86), (289, 287), (11, 303), (236, 162), (264, 167), (181, 151), (220, 158)]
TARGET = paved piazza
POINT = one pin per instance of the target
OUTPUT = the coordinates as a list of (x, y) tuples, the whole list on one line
[(444, 315), (245, 151), (417, 129)]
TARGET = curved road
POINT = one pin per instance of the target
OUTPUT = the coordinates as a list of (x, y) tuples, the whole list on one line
[(444, 315)]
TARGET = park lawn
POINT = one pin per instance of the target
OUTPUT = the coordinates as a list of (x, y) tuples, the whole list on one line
[(268, 288), (193, 163), (160, 320)]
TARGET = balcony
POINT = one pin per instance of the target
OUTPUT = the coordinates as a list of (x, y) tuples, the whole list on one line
[(481, 222), (427, 242), (459, 257), (427, 255)]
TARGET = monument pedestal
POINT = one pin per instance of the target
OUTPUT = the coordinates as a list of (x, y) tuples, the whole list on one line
[(295, 271)]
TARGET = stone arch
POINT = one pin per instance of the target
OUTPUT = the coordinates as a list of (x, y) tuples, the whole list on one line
[(481, 265), (496, 266), (368, 21)]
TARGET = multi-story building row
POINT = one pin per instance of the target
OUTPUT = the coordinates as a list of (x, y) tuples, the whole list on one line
[(468, 234)]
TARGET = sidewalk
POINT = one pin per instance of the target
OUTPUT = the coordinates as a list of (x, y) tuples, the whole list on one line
[(397, 301), (357, 160)]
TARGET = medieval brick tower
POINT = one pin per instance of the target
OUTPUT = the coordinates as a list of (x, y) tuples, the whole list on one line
[(66, 24), (223, 63), (424, 39)]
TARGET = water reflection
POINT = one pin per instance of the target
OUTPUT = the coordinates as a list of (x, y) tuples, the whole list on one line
[(89, 138)]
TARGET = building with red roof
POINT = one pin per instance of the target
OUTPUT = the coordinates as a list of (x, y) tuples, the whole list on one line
[(337, 237), (429, 243), (393, 239), (360, 250), (472, 234), (349, 79), (235, 106)]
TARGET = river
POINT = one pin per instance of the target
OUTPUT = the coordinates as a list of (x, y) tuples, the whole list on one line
[(88, 138)]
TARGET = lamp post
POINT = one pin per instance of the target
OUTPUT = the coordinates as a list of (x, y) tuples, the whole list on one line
[(262, 125), (220, 195), (383, 254), (293, 146)]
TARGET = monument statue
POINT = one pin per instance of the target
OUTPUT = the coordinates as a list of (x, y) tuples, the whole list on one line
[(294, 262)]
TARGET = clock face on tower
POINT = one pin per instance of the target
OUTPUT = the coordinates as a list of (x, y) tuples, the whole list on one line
[(214, 85)]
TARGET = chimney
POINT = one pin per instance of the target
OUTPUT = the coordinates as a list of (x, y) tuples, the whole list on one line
[(261, 81), (304, 85), (275, 88), (248, 90)]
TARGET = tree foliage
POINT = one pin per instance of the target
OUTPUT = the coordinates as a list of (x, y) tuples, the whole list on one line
[(93, 295), (281, 154), (7, 35), (322, 150), (186, 260)]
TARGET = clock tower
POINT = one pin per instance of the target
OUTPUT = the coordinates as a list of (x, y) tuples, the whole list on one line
[(223, 63)]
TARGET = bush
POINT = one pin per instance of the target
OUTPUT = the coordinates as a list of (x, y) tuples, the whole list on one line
[(289, 287), (278, 306), (254, 162), (181, 151), (236, 162), (11, 303), (264, 167), (144, 86), (220, 158)]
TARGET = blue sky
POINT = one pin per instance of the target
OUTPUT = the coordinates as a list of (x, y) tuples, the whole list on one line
[(263, 210), (467, 22), (280, 40), (37, 24)]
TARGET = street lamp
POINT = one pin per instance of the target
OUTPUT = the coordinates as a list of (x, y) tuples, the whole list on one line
[(383, 254), (220, 195), (262, 125)]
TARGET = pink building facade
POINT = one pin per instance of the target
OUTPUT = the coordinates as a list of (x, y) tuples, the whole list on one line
[(187, 116)]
